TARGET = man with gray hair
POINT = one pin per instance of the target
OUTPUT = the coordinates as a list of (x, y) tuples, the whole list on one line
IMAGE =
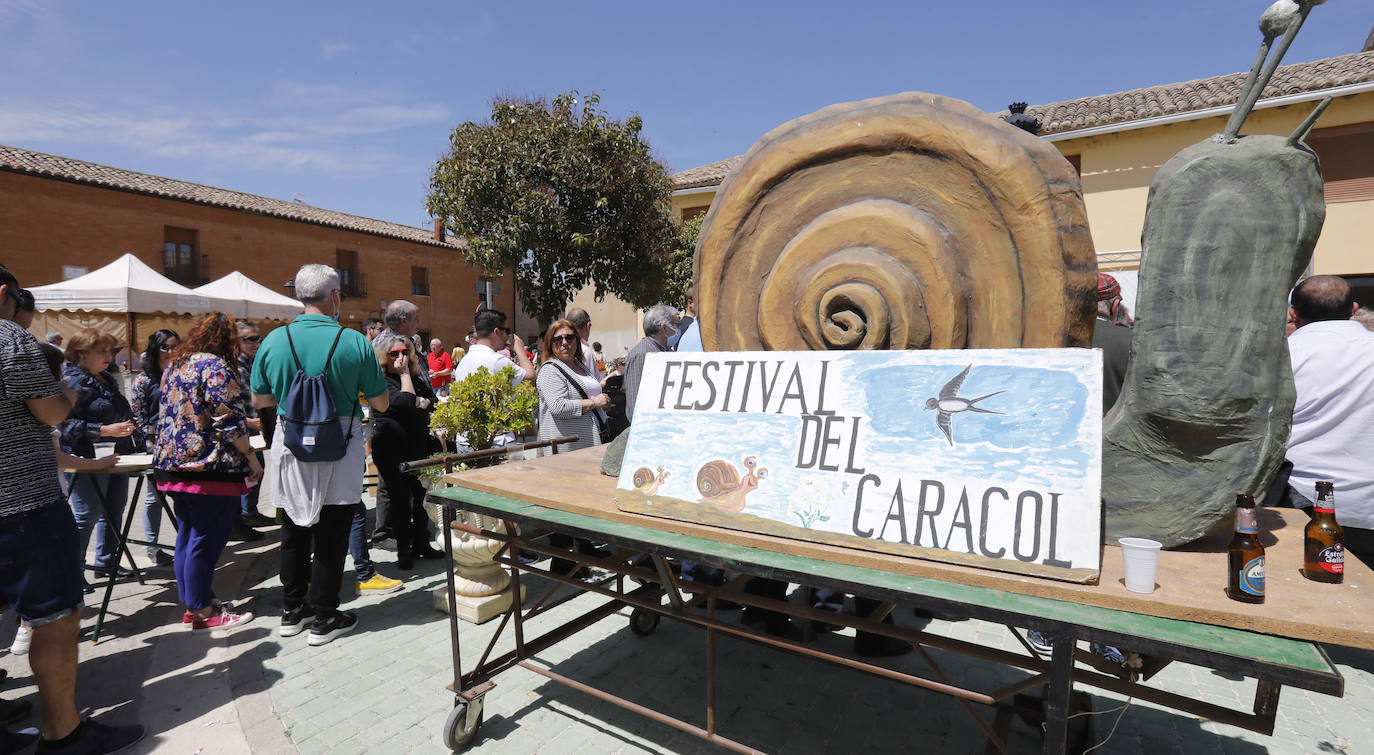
[(583, 323), (318, 497), (660, 323), (55, 339)]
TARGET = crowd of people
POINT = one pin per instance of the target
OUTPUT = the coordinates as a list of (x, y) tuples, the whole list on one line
[(307, 386)]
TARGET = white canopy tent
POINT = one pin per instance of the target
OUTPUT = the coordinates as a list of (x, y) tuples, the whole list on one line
[(251, 300), (125, 285)]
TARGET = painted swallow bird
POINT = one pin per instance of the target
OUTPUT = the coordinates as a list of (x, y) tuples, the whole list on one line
[(950, 403)]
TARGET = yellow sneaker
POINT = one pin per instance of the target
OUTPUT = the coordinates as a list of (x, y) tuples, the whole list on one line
[(378, 585)]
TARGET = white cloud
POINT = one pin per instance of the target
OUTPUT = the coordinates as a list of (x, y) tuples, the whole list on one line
[(298, 127), (330, 49)]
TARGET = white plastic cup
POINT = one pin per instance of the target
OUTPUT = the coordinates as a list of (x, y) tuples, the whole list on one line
[(1141, 560), (104, 449)]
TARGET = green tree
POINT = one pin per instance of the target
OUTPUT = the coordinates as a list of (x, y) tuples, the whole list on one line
[(679, 268), (562, 194)]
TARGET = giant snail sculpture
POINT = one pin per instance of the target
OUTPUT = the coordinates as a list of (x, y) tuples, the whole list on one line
[(917, 221)]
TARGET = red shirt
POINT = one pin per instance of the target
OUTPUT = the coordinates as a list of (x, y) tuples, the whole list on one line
[(439, 361)]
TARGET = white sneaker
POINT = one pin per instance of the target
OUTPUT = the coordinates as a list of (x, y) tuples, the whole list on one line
[(21, 639)]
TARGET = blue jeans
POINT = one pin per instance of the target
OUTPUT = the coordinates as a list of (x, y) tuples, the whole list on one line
[(152, 513), (203, 528), (85, 499), (357, 544)]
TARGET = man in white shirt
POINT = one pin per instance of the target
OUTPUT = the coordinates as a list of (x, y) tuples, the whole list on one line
[(488, 339), (1333, 371)]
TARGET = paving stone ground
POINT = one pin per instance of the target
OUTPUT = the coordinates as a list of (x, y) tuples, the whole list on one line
[(381, 689)]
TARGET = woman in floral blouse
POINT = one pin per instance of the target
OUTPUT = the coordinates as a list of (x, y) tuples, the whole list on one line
[(146, 397), (101, 415), (202, 460)]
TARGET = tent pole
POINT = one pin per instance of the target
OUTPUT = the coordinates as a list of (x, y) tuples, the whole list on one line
[(129, 331)]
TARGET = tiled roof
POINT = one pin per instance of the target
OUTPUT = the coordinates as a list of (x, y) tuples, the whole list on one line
[(1199, 94), (705, 175), (67, 169), (1138, 104)]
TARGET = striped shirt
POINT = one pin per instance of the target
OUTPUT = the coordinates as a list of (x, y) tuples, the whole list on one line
[(28, 463)]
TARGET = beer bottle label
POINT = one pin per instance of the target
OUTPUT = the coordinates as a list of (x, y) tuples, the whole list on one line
[(1252, 576), (1332, 559)]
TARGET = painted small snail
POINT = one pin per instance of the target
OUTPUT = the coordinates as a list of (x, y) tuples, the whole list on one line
[(721, 486)]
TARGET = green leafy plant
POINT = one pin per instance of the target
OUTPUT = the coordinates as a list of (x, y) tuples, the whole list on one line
[(483, 406), (562, 194), (679, 267)]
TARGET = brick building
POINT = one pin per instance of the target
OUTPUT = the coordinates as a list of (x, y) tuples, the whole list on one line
[(61, 217)]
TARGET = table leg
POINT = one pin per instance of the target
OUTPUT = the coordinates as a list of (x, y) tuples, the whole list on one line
[(119, 534), (1058, 693)]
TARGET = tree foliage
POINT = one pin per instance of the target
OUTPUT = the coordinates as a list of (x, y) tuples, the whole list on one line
[(679, 268), (562, 194)]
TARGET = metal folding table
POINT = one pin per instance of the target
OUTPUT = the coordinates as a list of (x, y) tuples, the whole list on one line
[(551, 495)]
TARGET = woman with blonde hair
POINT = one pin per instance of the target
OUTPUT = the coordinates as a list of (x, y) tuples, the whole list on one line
[(401, 433), (102, 414)]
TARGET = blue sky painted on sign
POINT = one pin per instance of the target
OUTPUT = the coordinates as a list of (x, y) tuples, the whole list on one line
[(1044, 411)]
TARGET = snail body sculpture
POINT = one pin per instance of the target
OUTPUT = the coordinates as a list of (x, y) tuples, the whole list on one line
[(647, 481), (905, 222), (1207, 401), (721, 485)]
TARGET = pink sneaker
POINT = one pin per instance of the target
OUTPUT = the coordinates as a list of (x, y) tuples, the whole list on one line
[(221, 619), (188, 616)]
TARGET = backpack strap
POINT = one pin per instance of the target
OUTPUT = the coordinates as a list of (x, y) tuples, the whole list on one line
[(328, 358), (291, 345), (332, 347)]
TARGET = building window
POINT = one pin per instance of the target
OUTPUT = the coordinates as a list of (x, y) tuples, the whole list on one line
[(1077, 162), (351, 282), (1347, 160), (419, 281), (689, 213), (180, 260)]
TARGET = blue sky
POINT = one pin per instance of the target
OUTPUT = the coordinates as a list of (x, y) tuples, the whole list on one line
[(346, 105)]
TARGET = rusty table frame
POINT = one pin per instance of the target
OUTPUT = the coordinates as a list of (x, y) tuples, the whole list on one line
[(638, 575)]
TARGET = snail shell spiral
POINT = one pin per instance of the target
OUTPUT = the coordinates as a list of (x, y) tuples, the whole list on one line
[(906, 222), (717, 478), (643, 476)]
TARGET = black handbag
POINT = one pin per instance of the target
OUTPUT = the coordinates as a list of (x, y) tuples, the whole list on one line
[(603, 428)]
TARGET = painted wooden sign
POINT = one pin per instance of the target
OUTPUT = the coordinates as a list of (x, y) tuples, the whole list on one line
[(988, 458)]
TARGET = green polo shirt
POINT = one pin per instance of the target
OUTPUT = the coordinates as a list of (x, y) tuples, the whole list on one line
[(353, 369)]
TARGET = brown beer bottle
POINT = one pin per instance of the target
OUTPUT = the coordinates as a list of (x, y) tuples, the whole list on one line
[(1245, 556), (1323, 541)]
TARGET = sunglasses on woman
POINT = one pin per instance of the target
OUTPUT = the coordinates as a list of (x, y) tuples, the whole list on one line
[(559, 339), (398, 352), (251, 339)]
